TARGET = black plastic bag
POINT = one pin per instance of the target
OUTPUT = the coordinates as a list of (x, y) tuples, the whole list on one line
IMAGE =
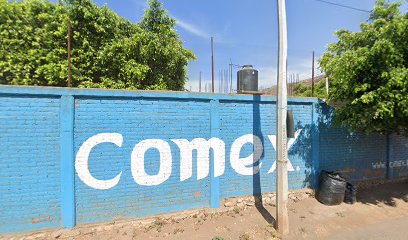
[(332, 188), (350, 196)]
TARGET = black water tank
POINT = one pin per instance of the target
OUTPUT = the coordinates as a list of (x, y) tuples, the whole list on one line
[(247, 79)]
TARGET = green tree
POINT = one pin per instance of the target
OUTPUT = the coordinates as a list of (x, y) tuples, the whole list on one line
[(108, 51), (368, 72), (103, 52), (163, 50), (31, 43)]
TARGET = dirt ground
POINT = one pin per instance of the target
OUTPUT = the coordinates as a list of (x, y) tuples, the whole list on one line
[(380, 213)]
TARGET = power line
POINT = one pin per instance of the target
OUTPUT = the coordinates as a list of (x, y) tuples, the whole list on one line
[(344, 6)]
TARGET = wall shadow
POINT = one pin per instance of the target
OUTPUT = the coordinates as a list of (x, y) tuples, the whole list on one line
[(256, 179)]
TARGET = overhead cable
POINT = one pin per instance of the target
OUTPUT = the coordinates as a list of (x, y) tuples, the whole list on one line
[(344, 6)]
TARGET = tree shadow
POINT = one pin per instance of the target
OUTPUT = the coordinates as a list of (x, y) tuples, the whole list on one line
[(304, 149), (386, 193), (256, 179), (355, 156)]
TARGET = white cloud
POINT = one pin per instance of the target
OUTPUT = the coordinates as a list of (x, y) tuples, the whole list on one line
[(266, 76), (141, 3), (195, 30), (303, 67)]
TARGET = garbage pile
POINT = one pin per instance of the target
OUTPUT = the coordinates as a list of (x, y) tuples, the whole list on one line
[(334, 189)]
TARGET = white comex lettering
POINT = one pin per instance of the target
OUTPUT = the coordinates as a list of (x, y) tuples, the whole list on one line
[(203, 157), (81, 161), (138, 162), (245, 166)]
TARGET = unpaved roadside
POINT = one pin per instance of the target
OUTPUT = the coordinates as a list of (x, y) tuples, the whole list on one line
[(381, 213)]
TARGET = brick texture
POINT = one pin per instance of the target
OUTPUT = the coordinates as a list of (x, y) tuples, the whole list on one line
[(29, 163)]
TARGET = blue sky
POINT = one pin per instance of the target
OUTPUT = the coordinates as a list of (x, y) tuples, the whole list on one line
[(246, 32)]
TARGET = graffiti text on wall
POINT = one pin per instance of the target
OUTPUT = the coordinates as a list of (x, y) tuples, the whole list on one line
[(242, 165), (393, 164)]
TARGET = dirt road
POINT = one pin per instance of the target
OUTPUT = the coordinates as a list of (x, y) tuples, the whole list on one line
[(381, 213)]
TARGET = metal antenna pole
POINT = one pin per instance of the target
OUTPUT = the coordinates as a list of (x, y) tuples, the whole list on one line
[(219, 81), (225, 82), (199, 83), (290, 85), (231, 77), (327, 85), (69, 54), (282, 219), (212, 64), (313, 73)]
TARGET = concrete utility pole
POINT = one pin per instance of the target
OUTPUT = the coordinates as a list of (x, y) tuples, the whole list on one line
[(282, 219)]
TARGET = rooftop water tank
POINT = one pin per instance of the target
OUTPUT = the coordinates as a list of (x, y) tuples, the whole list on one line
[(247, 79)]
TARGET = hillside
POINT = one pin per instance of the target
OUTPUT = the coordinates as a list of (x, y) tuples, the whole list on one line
[(302, 88)]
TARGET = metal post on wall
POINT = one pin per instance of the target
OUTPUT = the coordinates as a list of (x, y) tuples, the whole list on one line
[(282, 219)]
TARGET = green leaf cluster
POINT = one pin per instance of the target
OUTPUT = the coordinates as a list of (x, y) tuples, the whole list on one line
[(368, 72), (107, 51)]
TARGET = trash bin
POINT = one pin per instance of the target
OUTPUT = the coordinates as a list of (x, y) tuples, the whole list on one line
[(350, 196), (332, 188)]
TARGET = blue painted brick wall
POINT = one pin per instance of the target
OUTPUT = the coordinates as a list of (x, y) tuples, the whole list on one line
[(398, 146), (42, 130), (138, 119), (29, 163), (259, 118), (354, 155)]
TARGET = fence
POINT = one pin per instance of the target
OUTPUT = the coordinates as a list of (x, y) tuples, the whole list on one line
[(76, 156)]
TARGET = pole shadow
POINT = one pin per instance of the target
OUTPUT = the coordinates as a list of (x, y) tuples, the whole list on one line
[(256, 179)]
